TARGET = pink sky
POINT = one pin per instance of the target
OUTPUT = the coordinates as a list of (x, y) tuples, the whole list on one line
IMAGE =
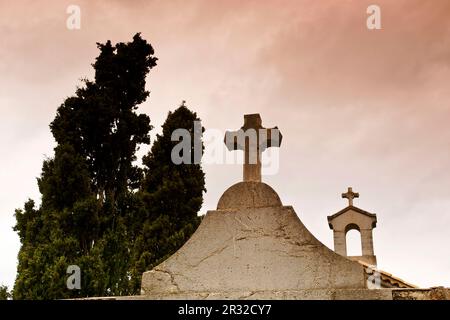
[(361, 108)]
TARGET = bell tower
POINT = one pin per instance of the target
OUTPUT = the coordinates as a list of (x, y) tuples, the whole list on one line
[(354, 218)]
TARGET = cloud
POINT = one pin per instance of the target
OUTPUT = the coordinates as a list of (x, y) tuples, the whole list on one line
[(356, 107)]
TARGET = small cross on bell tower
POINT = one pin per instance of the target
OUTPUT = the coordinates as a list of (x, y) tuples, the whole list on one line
[(350, 195)]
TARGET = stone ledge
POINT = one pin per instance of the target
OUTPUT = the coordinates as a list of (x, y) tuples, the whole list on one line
[(316, 294), (436, 293)]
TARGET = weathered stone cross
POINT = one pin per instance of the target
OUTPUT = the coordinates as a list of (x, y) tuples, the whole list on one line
[(253, 139), (350, 195)]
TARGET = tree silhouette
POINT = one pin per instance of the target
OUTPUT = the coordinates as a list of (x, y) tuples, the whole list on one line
[(99, 211), (86, 188), (172, 195)]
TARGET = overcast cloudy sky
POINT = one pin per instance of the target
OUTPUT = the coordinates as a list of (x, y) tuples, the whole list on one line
[(357, 107)]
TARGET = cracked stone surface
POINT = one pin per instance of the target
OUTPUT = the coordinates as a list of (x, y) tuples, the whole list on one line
[(253, 247)]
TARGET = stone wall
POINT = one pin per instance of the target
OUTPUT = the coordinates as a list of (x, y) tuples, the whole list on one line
[(437, 293)]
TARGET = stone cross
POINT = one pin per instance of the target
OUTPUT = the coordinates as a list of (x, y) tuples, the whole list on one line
[(350, 195), (253, 139)]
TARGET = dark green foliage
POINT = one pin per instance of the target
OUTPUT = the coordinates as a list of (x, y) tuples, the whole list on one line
[(172, 195), (99, 211), (61, 232), (4, 293), (100, 121)]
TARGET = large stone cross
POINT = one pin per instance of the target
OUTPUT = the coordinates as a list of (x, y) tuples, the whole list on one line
[(253, 139), (350, 195)]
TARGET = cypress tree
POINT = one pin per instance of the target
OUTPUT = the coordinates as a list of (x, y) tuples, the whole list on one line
[(100, 211), (87, 186), (172, 194)]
